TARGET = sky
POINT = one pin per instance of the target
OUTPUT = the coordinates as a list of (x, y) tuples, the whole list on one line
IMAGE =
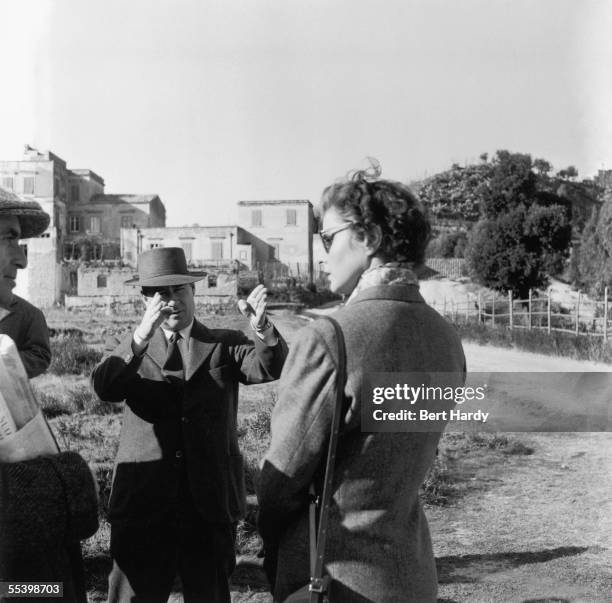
[(208, 102)]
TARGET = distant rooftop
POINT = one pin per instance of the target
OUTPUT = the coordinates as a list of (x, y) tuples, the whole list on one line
[(277, 202), (118, 199), (32, 154), (85, 173)]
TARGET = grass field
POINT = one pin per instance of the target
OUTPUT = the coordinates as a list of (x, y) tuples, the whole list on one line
[(83, 423)]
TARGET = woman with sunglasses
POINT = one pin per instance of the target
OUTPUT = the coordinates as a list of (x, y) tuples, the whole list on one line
[(378, 544)]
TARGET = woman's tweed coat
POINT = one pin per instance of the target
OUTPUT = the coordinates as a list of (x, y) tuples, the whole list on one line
[(379, 548)]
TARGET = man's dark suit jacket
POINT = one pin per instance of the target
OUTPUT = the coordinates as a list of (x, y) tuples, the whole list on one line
[(191, 426)]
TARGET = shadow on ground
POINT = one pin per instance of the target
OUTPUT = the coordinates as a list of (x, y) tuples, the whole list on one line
[(471, 568)]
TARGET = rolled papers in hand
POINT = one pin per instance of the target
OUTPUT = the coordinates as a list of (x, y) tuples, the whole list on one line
[(24, 433)]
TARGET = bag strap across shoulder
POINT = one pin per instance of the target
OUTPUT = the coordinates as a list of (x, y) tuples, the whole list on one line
[(319, 583)]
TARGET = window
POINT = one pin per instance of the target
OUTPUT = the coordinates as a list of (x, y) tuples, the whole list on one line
[(74, 223), (7, 183), (256, 217), (28, 185), (154, 245), (74, 282), (216, 247), (291, 217), (126, 221), (94, 224), (187, 248), (101, 281), (275, 244), (212, 280), (56, 187), (74, 192)]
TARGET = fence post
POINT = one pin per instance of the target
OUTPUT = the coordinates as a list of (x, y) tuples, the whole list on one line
[(510, 321), (529, 311), (577, 313), (493, 312), (605, 324), (548, 312), (467, 309), (479, 307)]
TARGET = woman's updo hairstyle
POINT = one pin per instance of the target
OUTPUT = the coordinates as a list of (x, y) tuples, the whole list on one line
[(367, 200)]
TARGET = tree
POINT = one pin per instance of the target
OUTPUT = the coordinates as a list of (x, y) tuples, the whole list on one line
[(518, 249), (512, 182), (525, 233), (497, 256), (571, 172), (542, 166)]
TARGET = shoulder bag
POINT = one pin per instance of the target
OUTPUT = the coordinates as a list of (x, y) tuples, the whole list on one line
[(317, 591)]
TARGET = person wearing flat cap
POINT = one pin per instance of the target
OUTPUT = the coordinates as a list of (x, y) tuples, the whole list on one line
[(49, 503), (178, 485), (23, 322)]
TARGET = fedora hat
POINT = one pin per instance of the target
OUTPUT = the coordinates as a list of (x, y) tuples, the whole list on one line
[(32, 218), (164, 267)]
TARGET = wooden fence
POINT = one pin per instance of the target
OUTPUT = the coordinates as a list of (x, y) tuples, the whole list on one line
[(585, 317)]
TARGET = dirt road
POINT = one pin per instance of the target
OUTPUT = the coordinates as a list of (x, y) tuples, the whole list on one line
[(535, 527)]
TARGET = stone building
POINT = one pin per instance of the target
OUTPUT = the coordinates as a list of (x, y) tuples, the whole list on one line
[(101, 218), (89, 225), (80, 211), (203, 245), (287, 226)]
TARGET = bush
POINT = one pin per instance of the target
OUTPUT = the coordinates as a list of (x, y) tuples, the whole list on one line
[(70, 355), (448, 245), (497, 441), (440, 487)]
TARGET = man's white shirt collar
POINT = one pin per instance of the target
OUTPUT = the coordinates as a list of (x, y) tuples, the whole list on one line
[(185, 333)]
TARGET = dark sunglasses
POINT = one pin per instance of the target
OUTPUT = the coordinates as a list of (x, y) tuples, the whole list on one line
[(163, 291), (327, 236)]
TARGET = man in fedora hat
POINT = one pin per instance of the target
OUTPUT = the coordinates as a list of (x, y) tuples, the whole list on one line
[(47, 504), (178, 486)]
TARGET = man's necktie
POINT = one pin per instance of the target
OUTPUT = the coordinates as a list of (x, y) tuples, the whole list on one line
[(173, 366)]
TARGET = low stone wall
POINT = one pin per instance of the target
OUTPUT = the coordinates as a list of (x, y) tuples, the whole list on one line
[(132, 304)]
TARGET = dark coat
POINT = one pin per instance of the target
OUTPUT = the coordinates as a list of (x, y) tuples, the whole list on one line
[(48, 504), (25, 324), (379, 548), (170, 428)]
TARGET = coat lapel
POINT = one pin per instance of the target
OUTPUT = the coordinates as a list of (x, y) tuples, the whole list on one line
[(4, 313), (157, 348), (201, 346)]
